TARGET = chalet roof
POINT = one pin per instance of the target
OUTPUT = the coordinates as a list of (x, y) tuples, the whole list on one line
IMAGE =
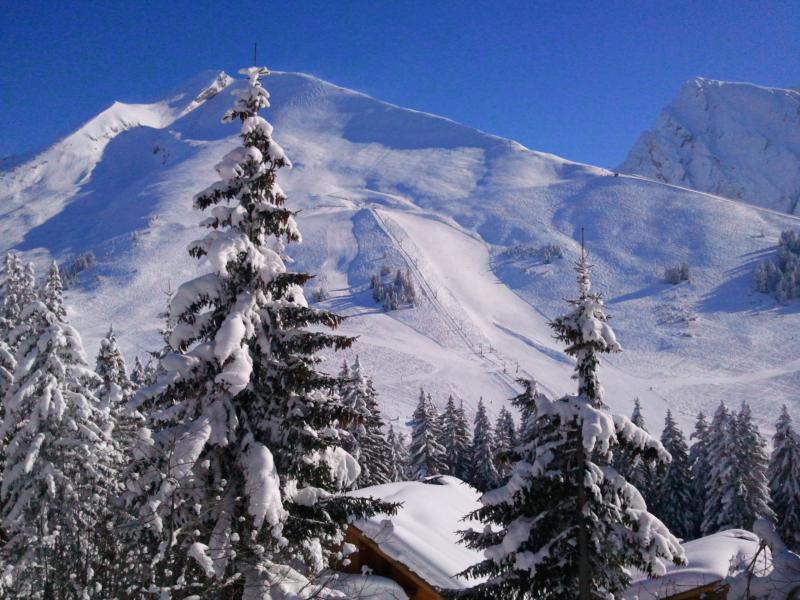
[(423, 535), (707, 560)]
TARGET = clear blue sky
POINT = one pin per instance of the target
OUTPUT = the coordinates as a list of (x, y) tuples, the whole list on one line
[(579, 79)]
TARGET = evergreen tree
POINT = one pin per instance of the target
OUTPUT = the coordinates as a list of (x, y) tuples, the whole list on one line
[(784, 480), (483, 474), (721, 457), (18, 291), (426, 454), (700, 469), (398, 456), (138, 374), (456, 439), (752, 500), (372, 447), (638, 471), (505, 441), (52, 292), (675, 501), (58, 477), (243, 493), (566, 525), (111, 368), (737, 492)]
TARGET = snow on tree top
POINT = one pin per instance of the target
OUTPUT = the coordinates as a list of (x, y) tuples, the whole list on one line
[(422, 536)]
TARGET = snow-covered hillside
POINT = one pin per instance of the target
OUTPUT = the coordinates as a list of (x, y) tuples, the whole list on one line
[(732, 139), (468, 213)]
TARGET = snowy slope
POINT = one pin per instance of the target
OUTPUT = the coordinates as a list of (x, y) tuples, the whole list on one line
[(380, 185), (733, 139)]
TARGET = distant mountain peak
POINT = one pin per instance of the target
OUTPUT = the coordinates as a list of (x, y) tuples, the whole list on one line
[(733, 139)]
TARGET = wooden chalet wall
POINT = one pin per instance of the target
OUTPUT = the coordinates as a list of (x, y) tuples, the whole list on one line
[(370, 555)]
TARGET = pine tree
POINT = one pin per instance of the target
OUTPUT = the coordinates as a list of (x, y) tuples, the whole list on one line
[(456, 439), (138, 374), (52, 292), (700, 470), (483, 474), (19, 290), (721, 460), (737, 491), (247, 471), (635, 469), (113, 372), (675, 501), (372, 448), (566, 525), (752, 501), (58, 477), (426, 454), (784, 480), (398, 456), (505, 441)]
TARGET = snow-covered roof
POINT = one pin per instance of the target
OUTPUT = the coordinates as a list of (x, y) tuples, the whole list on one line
[(707, 560), (422, 536)]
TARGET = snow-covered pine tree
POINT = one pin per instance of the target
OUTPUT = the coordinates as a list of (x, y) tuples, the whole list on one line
[(58, 476), (398, 457), (635, 469), (247, 468), (784, 480), (52, 292), (112, 370), (752, 500), (483, 473), (675, 501), (138, 374), (505, 441), (737, 491), (426, 456), (366, 427), (456, 439), (721, 452), (19, 289), (566, 525), (699, 469)]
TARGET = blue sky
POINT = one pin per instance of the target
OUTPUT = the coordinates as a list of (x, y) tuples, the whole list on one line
[(579, 79)]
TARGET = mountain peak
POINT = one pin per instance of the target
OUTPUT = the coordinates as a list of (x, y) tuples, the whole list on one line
[(733, 139)]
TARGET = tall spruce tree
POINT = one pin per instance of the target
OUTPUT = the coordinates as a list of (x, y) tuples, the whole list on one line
[(700, 470), (638, 471), (19, 290), (675, 501), (52, 292), (752, 462), (737, 490), (426, 453), (59, 475), (111, 368), (456, 439), (398, 456), (784, 480), (505, 441), (483, 473), (243, 496), (566, 525), (358, 394)]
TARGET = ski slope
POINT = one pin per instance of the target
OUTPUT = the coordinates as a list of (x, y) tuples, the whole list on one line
[(464, 211)]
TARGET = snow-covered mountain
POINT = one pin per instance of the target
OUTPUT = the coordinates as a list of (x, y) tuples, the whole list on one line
[(736, 140), (468, 213)]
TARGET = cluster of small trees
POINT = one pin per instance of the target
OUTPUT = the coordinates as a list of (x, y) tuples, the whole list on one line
[(677, 274), (224, 475), (445, 443), (780, 276), (545, 254), (393, 292)]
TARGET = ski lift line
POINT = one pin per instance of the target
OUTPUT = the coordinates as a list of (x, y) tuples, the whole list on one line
[(449, 319)]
